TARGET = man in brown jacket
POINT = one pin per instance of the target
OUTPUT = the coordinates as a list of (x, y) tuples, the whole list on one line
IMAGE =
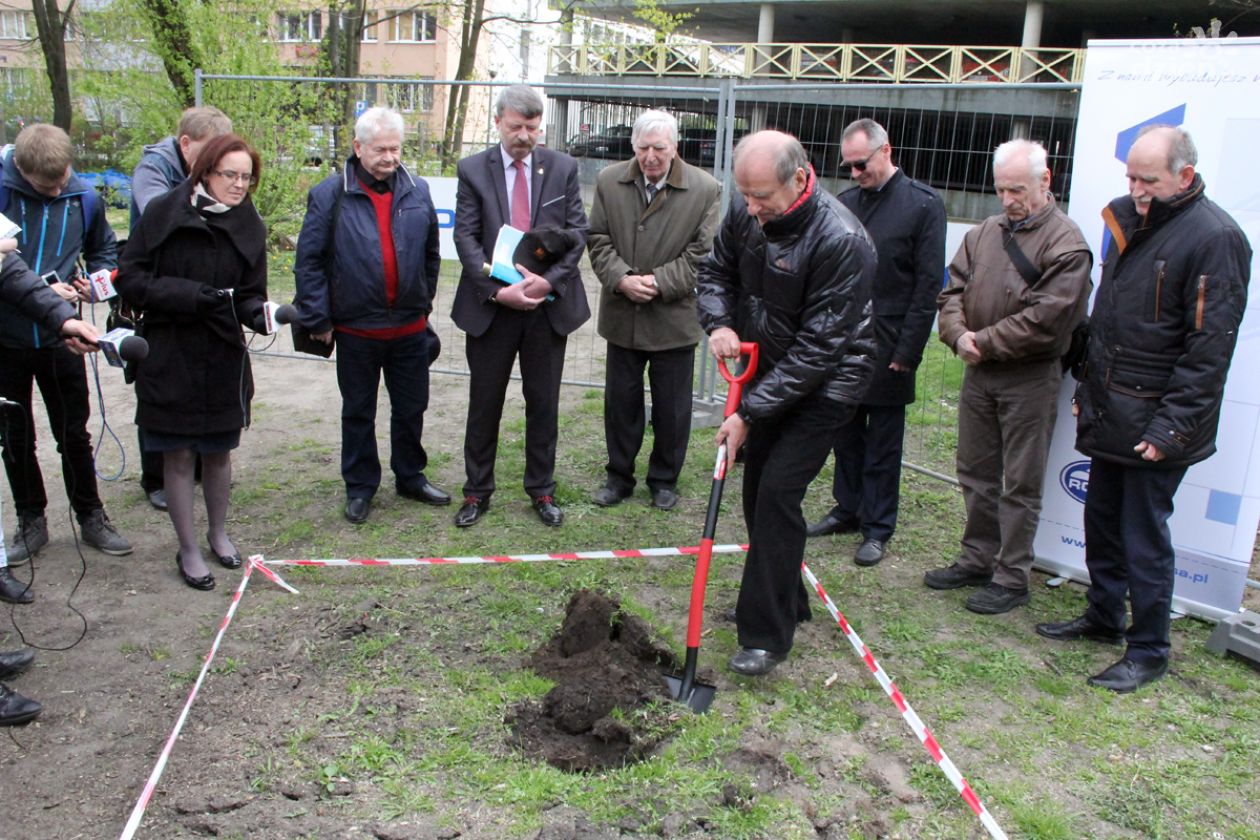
[(1017, 287), (651, 225)]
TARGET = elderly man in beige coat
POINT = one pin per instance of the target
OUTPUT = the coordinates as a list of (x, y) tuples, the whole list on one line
[(652, 223)]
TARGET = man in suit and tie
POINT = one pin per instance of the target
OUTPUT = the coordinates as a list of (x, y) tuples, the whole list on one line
[(516, 183)]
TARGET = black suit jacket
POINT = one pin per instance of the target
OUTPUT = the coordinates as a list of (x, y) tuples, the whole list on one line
[(481, 208)]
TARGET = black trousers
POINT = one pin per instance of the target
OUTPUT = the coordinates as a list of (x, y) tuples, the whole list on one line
[(669, 378), (867, 486), (1128, 551), (529, 336), (62, 380), (782, 457), (405, 364)]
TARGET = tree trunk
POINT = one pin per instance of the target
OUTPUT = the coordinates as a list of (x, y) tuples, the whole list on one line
[(457, 106), (173, 42), (50, 22)]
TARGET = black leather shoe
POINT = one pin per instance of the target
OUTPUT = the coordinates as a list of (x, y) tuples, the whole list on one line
[(832, 524), (157, 498), (471, 510), (1126, 675), (956, 577), (755, 662), (607, 496), (227, 561), (422, 491), (204, 583), (16, 709), (1079, 628), (15, 662), (995, 599), (664, 498), (869, 553), (357, 509), (548, 512), (12, 590)]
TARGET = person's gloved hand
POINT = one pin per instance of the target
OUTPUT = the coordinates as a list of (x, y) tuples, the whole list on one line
[(209, 299)]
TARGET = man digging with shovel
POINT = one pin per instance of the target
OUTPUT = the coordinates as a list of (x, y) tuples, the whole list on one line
[(791, 270)]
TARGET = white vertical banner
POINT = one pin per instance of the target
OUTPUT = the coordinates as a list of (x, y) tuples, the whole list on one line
[(1211, 88)]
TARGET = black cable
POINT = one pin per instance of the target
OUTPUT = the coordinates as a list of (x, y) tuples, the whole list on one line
[(100, 401), (27, 420)]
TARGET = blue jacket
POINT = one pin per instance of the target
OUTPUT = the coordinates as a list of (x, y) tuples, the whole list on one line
[(1163, 330), (340, 272), (52, 238)]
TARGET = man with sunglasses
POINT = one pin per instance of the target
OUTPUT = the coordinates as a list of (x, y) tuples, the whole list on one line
[(906, 220)]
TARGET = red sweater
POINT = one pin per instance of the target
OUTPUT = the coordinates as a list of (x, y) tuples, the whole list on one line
[(382, 203)]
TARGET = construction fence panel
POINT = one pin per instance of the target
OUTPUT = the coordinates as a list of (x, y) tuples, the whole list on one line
[(941, 134)]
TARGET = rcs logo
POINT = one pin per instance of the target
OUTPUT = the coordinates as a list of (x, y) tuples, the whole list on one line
[(1074, 479)]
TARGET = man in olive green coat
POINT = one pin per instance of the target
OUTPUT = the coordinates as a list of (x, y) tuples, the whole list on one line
[(651, 225)]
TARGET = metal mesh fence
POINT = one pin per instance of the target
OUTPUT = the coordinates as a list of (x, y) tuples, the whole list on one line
[(943, 135)]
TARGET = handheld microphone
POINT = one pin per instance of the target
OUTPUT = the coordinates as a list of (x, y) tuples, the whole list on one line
[(101, 282), (120, 346), (276, 315)]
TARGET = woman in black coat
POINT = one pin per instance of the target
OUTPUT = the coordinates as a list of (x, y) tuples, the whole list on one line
[(196, 266)]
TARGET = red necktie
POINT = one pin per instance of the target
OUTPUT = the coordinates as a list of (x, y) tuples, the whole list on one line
[(520, 198)]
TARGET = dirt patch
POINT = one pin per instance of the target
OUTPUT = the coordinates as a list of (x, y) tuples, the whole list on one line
[(606, 669)]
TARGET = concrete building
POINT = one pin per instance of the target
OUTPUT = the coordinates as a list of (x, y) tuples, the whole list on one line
[(950, 79)]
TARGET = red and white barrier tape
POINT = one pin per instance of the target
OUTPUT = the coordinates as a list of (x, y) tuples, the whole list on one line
[(911, 717), (258, 562), (137, 813), (509, 558)]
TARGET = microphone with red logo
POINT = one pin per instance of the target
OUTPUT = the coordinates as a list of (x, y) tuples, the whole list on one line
[(276, 315)]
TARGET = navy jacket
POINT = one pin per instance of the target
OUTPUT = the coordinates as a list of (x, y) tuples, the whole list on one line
[(52, 238), (1163, 330), (341, 273)]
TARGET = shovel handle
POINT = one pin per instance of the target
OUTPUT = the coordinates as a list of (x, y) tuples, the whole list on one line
[(733, 394)]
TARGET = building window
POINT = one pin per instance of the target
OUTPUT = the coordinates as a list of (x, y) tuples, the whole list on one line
[(369, 27), (13, 25), (410, 98), (300, 26), (415, 27)]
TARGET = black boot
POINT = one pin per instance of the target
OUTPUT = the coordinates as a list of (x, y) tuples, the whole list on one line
[(16, 709), (13, 590)]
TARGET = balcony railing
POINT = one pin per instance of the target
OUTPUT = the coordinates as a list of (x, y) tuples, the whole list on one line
[(877, 63)]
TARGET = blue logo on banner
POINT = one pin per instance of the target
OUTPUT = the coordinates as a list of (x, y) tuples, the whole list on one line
[(1075, 480)]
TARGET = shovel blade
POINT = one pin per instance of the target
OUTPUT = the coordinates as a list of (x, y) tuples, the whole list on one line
[(698, 699)]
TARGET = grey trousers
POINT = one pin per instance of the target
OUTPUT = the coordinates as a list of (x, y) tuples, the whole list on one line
[(1005, 418)]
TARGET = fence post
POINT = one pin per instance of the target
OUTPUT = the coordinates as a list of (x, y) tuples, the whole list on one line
[(197, 92)]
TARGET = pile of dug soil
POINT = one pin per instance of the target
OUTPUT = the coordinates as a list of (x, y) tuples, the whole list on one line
[(602, 659)]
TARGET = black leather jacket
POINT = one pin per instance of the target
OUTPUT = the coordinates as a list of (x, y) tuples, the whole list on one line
[(801, 288), (1163, 330)]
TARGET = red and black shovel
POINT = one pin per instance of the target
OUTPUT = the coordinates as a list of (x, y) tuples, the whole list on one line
[(683, 686)]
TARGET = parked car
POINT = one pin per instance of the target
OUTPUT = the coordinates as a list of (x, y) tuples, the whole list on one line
[(613, 142), (113, 186), (698, 146)]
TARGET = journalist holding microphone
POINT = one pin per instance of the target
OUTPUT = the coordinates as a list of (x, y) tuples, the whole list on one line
[(196, 267)]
